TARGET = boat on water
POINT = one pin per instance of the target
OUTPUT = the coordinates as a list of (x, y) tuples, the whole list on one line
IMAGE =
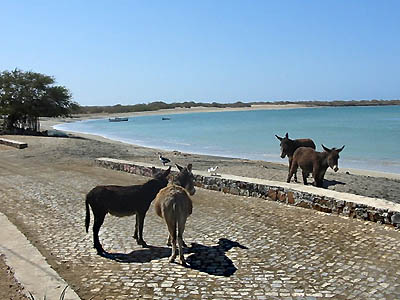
[(118, 119), (164, 118)]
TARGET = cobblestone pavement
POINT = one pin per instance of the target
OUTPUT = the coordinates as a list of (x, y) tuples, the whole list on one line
[(242, 248)]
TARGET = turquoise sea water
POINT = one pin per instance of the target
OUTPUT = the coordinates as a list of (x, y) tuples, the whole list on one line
[(371, 135)]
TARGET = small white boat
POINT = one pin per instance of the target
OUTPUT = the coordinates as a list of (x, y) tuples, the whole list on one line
[(118, 119)]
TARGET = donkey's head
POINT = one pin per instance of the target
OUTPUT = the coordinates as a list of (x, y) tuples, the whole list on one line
[(185, 178), (286, 145), (333, 157), (161, 176)]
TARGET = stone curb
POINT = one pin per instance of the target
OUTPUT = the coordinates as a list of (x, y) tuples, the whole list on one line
[(12, 143), (29, 266), (344, 204)]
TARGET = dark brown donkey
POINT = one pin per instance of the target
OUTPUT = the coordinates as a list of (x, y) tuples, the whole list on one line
[(121, 201), (311, 161), (288, 147), (174, 205)]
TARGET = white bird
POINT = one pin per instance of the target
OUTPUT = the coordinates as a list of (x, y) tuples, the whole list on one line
[(213, 171), (163, 160)]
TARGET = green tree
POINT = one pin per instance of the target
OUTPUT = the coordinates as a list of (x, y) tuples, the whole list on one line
[(27, 96)]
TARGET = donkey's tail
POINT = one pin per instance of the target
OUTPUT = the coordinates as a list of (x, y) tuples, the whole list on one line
[(87, 219)]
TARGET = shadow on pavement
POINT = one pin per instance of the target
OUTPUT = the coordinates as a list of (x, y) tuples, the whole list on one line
[(212, 260), (140, 256)]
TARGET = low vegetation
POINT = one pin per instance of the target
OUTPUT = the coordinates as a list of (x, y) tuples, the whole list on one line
[(27, 96), (153, 106)]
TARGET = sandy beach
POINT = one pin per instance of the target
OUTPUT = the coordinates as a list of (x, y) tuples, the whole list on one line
[(88, 147)]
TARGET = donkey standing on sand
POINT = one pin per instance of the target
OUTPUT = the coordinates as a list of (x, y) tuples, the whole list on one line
[(174, 205), (288, 147), (121, 201), (311, 161)]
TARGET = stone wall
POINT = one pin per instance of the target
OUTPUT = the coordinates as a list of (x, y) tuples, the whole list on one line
[(12, 143), (353, 206)]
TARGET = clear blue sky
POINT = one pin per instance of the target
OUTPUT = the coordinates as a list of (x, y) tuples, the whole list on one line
[(127, 52)]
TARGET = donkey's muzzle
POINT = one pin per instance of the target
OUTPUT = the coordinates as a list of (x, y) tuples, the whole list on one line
[(192, 191)]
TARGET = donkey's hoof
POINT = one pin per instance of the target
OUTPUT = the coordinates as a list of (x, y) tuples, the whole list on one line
[(171, 259), (101, 252), (183, 263), (142, 243)]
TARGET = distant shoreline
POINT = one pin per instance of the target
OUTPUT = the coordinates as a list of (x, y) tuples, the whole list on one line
[(159, 105), (46, 122)]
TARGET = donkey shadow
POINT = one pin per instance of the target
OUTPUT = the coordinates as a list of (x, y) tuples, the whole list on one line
[(327, 183), (212, 260), (140, 256)]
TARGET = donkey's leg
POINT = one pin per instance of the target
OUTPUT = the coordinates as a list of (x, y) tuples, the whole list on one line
[(169, 240), (181, 229), (293, 170), (290, 166), (135, 236), (140, 224), (171, 223), (98, 221), (305, 175), (320, 181), (318, 177)]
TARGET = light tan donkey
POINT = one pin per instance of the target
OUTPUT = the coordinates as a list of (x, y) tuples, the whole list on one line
[(174, 205)]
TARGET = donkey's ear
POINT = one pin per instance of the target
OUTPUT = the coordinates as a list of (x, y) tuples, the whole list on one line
[(278, 137), (340, 149), (326, 149), (189, 167), (287, 135), (179, 167), (166, 173), (153, 171)]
